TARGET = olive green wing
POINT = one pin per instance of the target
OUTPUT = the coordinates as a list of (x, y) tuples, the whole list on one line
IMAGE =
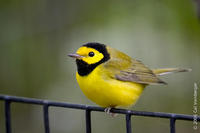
[(138, 73), (124, 68)]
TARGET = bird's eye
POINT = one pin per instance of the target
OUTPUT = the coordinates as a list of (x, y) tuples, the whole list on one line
[(91, 54)]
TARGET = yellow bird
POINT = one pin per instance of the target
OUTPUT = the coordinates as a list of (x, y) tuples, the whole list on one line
[(111, 78)]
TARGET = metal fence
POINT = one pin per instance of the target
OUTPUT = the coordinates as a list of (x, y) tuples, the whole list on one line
[(88, 109)]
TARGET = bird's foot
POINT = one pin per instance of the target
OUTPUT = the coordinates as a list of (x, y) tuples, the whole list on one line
[(107, 110)]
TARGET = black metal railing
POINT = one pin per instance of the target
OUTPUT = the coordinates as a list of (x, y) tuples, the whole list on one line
[(88, 109)]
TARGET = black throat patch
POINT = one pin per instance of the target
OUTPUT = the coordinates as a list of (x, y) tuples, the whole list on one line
[(84, 68)]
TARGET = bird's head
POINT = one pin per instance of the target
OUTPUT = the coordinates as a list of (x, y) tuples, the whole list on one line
[(89, 56)]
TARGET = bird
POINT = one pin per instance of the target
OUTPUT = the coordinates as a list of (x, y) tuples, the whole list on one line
[(111, 78)]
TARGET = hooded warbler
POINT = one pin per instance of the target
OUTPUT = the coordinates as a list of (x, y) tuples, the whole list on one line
[(111, 78)]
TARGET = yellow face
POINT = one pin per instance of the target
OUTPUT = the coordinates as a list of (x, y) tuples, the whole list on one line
[(89, 55)]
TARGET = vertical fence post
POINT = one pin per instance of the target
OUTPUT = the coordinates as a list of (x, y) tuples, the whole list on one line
[(128, 123), (88, 120), (172, 125), (46, 118), (7, 116)]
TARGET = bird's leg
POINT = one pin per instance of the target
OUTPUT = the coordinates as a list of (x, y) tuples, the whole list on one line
[(107, 110)]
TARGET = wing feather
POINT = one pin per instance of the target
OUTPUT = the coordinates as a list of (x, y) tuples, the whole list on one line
[(124, 68)]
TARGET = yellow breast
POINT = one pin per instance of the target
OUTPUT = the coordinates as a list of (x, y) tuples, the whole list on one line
[(108, 92)]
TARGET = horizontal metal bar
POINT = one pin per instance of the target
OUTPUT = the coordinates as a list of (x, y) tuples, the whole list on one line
[(95, 108)]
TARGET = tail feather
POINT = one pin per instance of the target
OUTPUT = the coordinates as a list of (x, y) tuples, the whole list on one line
[(169, 70)]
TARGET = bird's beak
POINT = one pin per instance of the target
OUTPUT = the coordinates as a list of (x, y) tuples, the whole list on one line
[(77, 56)]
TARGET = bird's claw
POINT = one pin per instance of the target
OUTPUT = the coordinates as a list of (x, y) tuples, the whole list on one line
[(107, 110)]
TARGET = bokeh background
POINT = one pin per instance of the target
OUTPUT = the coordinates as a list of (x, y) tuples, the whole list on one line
[(36, 36)]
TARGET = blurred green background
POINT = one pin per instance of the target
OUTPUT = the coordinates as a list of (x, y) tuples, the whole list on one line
[(36, 37)]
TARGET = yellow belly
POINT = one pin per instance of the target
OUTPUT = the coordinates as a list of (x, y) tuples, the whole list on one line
[(109, 92)]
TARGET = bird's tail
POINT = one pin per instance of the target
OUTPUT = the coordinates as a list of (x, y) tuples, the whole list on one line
[(164, 71)]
